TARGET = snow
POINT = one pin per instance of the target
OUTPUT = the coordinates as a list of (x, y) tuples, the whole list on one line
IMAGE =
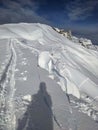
[(85, 41), (82, 41), (43, 60), (78, 62), (27, 98), (40, 53)]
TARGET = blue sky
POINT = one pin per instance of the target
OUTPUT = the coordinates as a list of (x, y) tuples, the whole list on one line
[(81, 16)]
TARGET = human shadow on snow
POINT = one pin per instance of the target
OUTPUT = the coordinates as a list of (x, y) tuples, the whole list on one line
[(38, 115)]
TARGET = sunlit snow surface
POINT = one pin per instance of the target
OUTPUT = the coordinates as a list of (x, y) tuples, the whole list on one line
[(71, 66)]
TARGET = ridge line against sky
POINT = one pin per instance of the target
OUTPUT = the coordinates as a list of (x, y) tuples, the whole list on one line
[(81, 16)]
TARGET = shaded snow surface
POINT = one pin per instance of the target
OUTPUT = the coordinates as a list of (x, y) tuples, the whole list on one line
[(46, 81)]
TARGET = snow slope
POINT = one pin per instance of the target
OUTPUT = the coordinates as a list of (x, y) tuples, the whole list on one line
[(76, 65), (71, 66)]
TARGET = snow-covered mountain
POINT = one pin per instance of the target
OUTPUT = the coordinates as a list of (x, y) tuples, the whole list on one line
[(45, 78), (81, 41)]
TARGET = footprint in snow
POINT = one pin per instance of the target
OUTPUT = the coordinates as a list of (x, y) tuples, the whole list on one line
[(24, 63), (21, 78), (16, 70), (24, 72)]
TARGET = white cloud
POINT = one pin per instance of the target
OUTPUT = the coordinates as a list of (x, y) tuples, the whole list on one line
[(20, 11), (79, 10)]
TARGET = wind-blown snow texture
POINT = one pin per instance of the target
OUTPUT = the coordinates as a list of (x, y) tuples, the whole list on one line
[(33, 56)]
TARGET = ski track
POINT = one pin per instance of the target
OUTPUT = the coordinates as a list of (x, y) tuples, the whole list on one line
[(26, 46), (7, 103)]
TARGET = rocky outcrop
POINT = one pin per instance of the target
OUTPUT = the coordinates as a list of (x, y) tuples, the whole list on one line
[(67, 34)]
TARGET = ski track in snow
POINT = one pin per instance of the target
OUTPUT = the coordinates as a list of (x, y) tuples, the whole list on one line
[(8, 76)]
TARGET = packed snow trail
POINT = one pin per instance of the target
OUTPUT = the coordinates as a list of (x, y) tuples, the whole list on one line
[(53, 115), (37, 72)]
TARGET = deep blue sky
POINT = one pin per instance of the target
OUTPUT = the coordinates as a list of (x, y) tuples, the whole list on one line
[(81, 16)]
